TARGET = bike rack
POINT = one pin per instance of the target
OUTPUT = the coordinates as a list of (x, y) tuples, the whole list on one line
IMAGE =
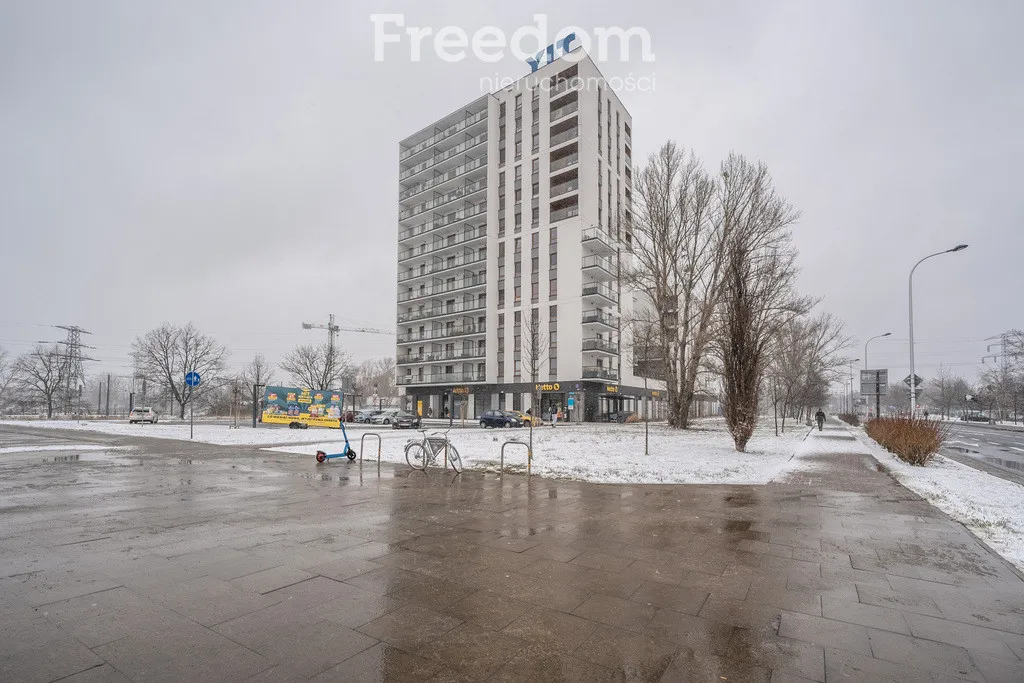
[(363, 448), (529, 456)]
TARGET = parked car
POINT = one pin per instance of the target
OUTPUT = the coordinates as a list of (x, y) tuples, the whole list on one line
[(404, 420), (974, 416), (500, 418), (366, 414), (527, 419), (384, 417), (143, 415)]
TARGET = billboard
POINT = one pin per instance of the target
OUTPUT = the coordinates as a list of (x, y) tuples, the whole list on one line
[(316, 407)]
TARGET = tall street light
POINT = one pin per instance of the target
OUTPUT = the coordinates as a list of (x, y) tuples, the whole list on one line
[(855, 360), (913, 384), (877, 336), (878, 398)]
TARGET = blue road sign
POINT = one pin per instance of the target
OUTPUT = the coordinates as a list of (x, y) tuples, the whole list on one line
[(192, 379), (572, 403)]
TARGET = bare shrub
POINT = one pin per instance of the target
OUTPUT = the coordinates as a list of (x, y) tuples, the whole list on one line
[(912, 440), (850, 419)]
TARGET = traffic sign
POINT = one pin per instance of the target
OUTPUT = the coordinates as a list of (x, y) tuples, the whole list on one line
[(874, 382), (917, 381), (571, 403), (192, 379)]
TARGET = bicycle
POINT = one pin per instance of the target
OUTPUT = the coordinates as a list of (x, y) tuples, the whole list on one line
[(422, 454)]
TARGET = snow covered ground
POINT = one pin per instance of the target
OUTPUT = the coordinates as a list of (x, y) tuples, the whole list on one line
[(610, 453), (991, 507)]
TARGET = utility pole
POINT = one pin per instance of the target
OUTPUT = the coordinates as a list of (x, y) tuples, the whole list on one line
[(107, 411), (74, 372)]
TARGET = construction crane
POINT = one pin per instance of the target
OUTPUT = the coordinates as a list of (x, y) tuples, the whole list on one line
[(333, 329)]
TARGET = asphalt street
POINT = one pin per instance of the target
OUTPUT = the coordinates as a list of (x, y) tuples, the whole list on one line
[(1001, 451)]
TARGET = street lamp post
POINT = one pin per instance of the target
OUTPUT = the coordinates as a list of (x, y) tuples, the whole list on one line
[(910, 289), (855, 360), (878, 399)]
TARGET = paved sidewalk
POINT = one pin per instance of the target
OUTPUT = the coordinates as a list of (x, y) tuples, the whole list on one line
[(187, 562)]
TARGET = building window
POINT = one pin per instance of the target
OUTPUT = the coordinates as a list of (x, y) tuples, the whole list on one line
[(553, 288), (519, 268), (518, 290), (519, 150), (535, 240), (501, 296), (519, 245), (534, 292), (535, 218), (554, 236), (535, 264), (519, 194), (536, 167), (552, 314), (501, 155), (519, 220), (501, 227), (536, 141), (553, 366), (553, 259), (536, 189), (518, 365), (501, 133)]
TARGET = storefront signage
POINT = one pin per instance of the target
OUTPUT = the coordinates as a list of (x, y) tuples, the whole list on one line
[(612, 390), (460, 390), (547, 387), (655, 394)]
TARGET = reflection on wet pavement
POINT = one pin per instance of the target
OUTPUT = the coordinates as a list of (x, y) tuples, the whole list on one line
[(213, 563)]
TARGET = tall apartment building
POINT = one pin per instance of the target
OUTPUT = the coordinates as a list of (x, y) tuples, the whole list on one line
[(514, 216)]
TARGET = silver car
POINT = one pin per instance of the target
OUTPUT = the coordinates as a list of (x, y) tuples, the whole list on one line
[(385, 418), (143, 415)]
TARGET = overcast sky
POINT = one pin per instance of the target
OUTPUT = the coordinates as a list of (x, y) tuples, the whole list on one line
[(235, 163)]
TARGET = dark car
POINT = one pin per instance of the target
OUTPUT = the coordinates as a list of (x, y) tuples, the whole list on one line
[(404, 420), (500, 418), (975, 417)]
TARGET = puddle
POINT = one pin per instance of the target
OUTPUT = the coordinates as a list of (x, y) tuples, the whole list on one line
[(739, 501), (1008, 464), (738, 525), (98, 456)]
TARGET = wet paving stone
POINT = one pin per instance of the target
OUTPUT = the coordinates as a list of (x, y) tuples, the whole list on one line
[(194, 562)]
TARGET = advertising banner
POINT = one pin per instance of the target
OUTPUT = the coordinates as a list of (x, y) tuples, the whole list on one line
[(316, 407)]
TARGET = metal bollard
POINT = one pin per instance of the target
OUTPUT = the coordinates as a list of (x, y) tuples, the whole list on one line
[(362, 448), (529, 456)]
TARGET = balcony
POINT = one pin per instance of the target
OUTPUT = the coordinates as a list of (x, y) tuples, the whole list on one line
[(443, 288), (601, 346), (598, 294), (564, 136), (441, 244), (439, 356), (596, 317), (599, 241), (600, 268), (444, 221), (458, 193), (443, 156), (442, 378), (562, 214), (446, 332), (443, 178), (563, 162), (447, 132), (442, 265), (440, 311), (565, 188), (598, 372), (564, 85), (564, 110)]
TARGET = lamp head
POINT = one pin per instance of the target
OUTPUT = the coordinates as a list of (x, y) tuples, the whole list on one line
[(959, 247), (887, 334)]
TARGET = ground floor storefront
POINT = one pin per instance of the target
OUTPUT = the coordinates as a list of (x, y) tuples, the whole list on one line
[(578, 401)]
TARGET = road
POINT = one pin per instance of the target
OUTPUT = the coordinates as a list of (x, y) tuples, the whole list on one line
[(1000, 451)]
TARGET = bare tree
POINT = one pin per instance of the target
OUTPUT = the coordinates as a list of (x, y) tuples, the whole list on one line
[(40, 373), (534, 354), (257, 373), (806, 357), (379, 373), (167, 353), (677, 266), (6, 378), (316, 366), (759, 273)]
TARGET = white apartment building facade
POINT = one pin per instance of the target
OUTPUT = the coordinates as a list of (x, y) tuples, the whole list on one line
[(514, 216)]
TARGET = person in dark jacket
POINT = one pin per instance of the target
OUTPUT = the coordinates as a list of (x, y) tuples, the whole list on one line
[(820, 417)]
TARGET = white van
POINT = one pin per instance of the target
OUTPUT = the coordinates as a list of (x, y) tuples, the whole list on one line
[(142, 415)]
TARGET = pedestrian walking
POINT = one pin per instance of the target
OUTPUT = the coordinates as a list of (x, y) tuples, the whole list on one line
[(820, 417)]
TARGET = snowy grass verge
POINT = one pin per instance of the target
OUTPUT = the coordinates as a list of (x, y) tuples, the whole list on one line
[(991, 507), (612, 454)]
